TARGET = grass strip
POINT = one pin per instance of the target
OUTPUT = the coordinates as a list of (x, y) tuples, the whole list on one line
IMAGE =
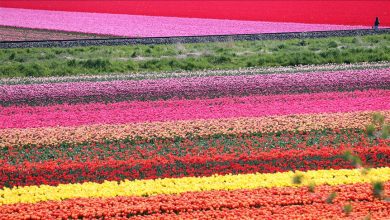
[(40, 62)]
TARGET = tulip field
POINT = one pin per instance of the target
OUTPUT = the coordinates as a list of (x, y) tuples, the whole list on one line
[(30, 20), (277, 143), (351, 12), (194, 109), (150, 26)]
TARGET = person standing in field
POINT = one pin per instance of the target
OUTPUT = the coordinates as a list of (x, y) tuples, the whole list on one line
[(376, 24)]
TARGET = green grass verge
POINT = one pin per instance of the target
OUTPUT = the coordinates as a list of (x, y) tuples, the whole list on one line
[(227, 55)]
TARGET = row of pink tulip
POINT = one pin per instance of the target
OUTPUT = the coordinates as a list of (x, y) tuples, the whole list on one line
[(149, 26), (171, 110)]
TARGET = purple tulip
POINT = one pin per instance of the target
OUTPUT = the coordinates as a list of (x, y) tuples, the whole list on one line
[(194, 87)]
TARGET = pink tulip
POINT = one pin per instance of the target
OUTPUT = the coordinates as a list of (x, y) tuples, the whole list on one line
[(172, 110), (149, 26)]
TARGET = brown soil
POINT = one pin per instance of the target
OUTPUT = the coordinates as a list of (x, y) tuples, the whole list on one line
[(28, 34)]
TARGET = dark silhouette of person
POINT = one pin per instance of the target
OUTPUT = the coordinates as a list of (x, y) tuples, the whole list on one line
[(376, 24)]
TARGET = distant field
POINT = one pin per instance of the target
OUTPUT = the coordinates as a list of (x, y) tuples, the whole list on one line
[(150, 26), (350, 12)]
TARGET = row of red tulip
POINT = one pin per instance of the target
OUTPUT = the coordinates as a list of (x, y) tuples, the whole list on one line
[(68, 171)]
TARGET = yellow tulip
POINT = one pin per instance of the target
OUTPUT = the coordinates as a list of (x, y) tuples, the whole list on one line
[(34, 194)]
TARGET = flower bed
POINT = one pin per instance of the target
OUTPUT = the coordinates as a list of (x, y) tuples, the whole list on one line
[(56, 172), (194, 87), (262, 201), (196, 147)]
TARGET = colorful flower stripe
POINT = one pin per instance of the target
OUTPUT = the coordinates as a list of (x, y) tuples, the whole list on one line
[(172, 110), (200, 73), (34, 194), (148, 26), (361, 210), (56, 135), (358, 13), (194, 87), (68, 171), (265, 199), (189, 146)]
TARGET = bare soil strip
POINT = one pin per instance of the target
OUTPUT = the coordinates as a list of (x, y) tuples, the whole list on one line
[(29, 34)]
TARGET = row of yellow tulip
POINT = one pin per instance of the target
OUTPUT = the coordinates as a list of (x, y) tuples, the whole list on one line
[(55, 135), (34, 194)]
